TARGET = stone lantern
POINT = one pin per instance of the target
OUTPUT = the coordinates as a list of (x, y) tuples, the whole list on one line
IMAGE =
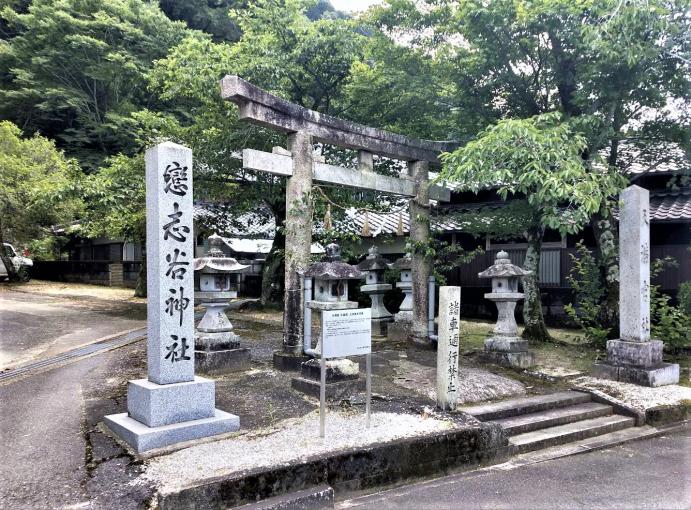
[(505, 347), (330, 286), (374, 267), (216, 346), (405, 266), (218, 273)]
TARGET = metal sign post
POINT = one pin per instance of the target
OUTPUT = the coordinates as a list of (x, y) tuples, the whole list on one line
[(368, 363), (345, 333), (322, 396)]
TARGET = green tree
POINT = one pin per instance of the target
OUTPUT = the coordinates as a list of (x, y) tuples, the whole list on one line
[(75, 71), (115, 205), (538, 160), (622, 66), (281, 50), (35, 189)]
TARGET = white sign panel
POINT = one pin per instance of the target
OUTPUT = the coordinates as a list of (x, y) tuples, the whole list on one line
[(346, 332)]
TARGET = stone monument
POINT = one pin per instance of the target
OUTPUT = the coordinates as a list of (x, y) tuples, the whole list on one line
[(330, 288), (172, 405), (634, 357), (447, 347), (505, 347), (374, 266), (216, 347)]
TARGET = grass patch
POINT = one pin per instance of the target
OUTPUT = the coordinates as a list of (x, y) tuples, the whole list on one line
[(568, 352)]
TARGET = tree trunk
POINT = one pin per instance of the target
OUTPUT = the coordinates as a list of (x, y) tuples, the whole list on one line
[(535, 328), (273, 271), (605, 231), (140, 287), (12, 273)]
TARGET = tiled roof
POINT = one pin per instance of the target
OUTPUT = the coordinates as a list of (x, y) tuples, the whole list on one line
[(664, 206), (671, 205), (668, 158), (257, 224)]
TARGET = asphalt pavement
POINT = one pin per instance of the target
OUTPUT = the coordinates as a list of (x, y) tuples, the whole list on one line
[(34, 326), (650, 474), (53, 454)]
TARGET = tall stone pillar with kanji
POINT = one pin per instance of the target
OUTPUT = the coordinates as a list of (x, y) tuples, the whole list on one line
[(634, 357), (172, 404)]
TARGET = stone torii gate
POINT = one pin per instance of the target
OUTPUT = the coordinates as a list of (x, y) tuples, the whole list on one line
[(305, 127)]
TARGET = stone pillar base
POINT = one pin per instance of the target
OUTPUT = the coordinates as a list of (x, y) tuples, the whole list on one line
[(523, 359), (637, 363), (342, 379), (508, 351), (152, 422), (223, 361), (662, 375), (634, 354), (285, 361), (143, 438)]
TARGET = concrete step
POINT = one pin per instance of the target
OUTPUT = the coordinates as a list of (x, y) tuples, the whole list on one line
[(561, 434), (553, 417), (314, 498), (602, 442), (526, 405)]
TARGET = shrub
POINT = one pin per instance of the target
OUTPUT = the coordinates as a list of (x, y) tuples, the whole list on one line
[(684, 297), (588, 288), (671, 324)]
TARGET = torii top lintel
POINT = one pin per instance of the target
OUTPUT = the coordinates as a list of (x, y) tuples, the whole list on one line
[(260, 107)]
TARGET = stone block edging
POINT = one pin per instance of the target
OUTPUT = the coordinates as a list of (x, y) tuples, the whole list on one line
[(619, 406), (349, 469)]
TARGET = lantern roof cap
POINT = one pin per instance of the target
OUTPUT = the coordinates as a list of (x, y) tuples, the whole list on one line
[(405, 262), (332, 267), (216, 261), (373, 261), (503, 267)]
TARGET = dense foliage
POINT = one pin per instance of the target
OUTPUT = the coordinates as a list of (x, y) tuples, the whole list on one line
[(35, 183), (573, 89)]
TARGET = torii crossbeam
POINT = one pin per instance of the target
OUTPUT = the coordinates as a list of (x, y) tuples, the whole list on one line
[(304, 127)]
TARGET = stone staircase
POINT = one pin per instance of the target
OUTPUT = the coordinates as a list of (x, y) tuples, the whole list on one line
[(535, 423)]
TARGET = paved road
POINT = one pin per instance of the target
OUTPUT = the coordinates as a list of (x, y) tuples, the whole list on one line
[(53, 455), (33, 326), (651, 474)]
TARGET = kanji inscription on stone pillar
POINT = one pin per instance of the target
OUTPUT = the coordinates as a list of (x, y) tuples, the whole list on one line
[(634, 265), (447, 348), (170, 250)]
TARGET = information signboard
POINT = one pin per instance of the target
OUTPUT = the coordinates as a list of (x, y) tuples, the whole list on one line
[(346, 332)]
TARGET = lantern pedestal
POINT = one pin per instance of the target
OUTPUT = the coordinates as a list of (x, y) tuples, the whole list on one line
[(342, 379), (381, 317), (216, 347), (374, 267), (506, 347)]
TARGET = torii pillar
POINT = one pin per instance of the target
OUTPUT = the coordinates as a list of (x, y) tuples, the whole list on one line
[(298, 231), (303, 128), (419, 236)]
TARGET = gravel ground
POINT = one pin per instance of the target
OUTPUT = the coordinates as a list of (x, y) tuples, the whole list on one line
[(296, 439), (640, 397), (474, 384)]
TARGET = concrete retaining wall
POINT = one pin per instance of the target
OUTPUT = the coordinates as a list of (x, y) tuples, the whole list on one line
[(350, 470)]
